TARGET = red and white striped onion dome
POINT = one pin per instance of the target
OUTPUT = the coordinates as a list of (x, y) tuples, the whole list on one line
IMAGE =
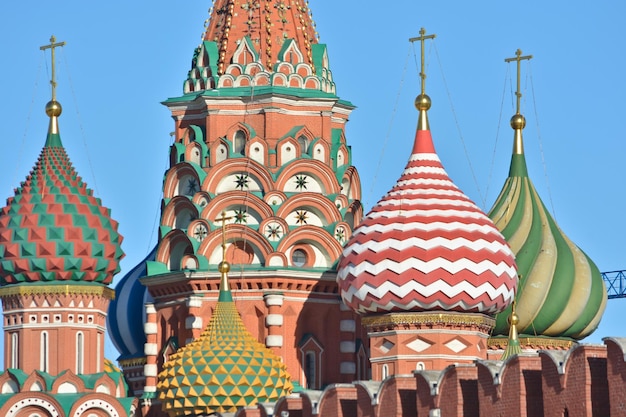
[(426, 246)]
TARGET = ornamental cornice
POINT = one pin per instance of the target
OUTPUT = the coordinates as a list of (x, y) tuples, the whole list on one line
[(30, 290), (429, 319), (533, 342)]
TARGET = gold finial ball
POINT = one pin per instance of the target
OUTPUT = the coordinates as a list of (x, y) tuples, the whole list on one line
[(422, 102), (54, 109), (513, 319), (518, 122), (224, 267)]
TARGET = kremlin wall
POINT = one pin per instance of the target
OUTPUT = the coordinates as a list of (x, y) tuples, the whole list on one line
[(270, 291)]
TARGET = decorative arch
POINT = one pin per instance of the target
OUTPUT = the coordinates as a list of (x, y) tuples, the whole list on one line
[(182, 179), (322, 207), (173, 247), (312, 83), (98, 403), (228, 201), (36, 381), (226, 80), (32, 400), (287, 150), (311, 356), (295, 81), (201, 199), (327, 249), (320, 150), (275, 198), (193, 153), (274, 228), (352, 180), (192, 134), (179, 213), (212, 250), (354, 214), (257, 150), (218, 151), (9, 384), (279, 79), (198, 229), (290, 54), (68, 382), (105, 385), (310, 167), (225, 169), (254, 69), (245, 54), (303, 70), (342, 156)]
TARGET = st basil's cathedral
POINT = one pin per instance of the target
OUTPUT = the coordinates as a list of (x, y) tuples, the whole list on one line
[(270, 292)]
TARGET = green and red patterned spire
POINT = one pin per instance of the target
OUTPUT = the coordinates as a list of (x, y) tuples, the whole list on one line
[(54, 229), (226, 368), (561, 291)]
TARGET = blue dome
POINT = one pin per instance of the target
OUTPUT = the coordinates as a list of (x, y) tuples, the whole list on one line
[(125, 329)]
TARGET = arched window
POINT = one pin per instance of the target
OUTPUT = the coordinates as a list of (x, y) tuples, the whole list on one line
[(309, 369), (44, 352), (239, 142), (80, 353), (304, 144), (385, 373), (299, 258), (15, 351), (311, 361)]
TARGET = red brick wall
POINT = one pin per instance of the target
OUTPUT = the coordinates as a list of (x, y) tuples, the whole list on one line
[(616, 376), (397, 397)]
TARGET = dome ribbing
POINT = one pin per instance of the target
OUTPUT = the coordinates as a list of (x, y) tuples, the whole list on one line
[(561, 290)]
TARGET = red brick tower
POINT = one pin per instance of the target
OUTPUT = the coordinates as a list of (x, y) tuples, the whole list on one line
[(259, 135)]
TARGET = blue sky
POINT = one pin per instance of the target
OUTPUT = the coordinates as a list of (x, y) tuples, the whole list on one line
[(123, 58)]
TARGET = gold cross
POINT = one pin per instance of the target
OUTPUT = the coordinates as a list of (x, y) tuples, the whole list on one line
[(53, 44), (422, 38), (518, 58), (223, 219)]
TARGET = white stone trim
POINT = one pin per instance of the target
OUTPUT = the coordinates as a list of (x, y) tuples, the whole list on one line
[(38, 402), (347, 346), (347, 368), (150, 369), (150, 328), (347, 326), (274, 340), (274, 299), (150, 349), (274, 320)]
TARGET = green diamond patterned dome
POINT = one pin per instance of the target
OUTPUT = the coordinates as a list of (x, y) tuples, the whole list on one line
[(225, 369), (561, 292), (54, 229)]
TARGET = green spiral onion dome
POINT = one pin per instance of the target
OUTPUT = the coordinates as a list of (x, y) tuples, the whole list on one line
[(223, 370), (561, 292), (54, 229)]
